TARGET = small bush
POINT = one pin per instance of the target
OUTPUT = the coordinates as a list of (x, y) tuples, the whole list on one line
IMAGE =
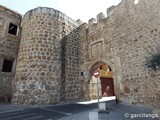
[(153, 61)]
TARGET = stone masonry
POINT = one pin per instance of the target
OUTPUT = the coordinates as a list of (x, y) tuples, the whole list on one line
[(57, 55), (125, 38), (38, 78), (9, 45), (71, 65)]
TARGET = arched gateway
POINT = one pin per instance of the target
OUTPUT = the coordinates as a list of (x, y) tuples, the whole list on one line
[(105, 81)]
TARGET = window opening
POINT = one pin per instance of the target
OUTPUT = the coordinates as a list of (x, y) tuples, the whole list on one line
[(12, 29), (7, 66)]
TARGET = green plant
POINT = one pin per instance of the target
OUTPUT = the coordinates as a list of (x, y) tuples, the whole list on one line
[(153, 61)]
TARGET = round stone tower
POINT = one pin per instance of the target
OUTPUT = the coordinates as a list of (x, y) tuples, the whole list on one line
[(38, 74)]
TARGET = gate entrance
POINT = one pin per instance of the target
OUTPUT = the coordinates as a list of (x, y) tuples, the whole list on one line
[(107, 87), (105, 82), (106, 78)]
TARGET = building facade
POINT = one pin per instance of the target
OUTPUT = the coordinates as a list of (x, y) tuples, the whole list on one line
[(57, 55), (9, 45)]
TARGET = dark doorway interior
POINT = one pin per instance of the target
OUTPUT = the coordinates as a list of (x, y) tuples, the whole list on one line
[(107, 87)]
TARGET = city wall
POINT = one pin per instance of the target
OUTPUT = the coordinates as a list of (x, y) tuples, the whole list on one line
[(123, 40), (55, 50)]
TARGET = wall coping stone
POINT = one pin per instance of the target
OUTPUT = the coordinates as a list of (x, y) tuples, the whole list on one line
[(51, 11)]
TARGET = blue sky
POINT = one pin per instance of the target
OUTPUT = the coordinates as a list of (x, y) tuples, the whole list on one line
[(76, 9)]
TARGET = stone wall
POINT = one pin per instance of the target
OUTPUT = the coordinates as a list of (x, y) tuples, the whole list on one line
[(9, 45), (126, 37), (71, 65), (38, 78), (53, 51), (93, 88)]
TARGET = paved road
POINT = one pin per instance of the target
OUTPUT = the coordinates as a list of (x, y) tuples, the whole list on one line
[(75, 111), (46, 113)]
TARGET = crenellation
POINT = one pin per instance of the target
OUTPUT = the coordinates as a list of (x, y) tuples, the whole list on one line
[(84, 26), (91, 21), (100, 17), (79, 22), (110, 10)]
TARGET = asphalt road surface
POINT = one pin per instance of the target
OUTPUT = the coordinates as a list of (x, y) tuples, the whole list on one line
[(46, 113)]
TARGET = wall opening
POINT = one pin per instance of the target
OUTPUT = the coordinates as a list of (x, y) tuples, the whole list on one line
[(106, 82), (82, 73), (106, 78), (12, 29), (7, 65)]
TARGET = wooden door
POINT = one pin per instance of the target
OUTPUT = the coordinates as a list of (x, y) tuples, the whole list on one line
[(107, 87)]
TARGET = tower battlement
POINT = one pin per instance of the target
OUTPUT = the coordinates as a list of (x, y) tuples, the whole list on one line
[(100, 18)]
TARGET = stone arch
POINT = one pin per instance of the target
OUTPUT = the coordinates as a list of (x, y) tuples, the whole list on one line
[(88, 68), (94, 66), (97, 63)]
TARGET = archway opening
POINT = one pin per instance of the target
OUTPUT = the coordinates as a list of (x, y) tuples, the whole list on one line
[(105, 82), (106, 78)]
